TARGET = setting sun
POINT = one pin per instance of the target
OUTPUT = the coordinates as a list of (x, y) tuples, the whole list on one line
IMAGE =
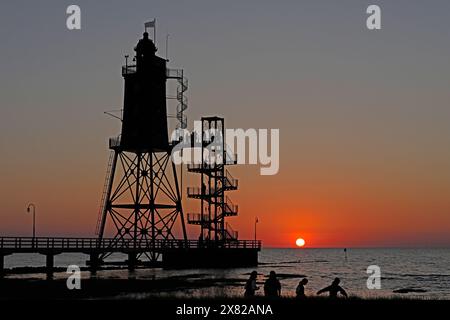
[(300, 242)]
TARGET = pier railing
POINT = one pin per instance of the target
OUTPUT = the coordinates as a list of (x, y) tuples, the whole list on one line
[(29, 244), (170, 73)]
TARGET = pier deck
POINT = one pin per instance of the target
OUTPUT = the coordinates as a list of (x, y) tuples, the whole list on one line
[(175, 253)]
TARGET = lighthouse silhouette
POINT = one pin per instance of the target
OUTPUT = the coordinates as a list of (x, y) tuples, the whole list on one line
[(141, 203), (144, 127)]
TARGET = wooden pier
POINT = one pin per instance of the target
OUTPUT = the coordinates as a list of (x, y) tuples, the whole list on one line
[(175, 253)]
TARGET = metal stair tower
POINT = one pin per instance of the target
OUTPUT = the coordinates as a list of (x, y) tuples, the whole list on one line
[(215, 182)]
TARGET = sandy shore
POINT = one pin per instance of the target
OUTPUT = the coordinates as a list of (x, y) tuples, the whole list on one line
[(114, 297), (124, 289)]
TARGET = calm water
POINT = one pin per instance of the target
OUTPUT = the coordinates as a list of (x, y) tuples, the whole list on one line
[(427, 269)]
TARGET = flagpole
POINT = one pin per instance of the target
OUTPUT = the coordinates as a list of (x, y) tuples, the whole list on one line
[(154, 31), (167, 47)]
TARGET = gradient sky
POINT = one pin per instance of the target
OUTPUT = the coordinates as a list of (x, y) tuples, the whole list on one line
[(363, 115)]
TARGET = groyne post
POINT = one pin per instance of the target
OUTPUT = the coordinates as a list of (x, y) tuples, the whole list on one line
[(49, 264)]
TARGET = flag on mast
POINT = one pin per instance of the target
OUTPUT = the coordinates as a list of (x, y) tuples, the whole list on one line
[(150, 24)]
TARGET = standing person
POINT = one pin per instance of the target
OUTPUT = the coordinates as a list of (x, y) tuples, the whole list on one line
[(145, 49), (300, 291), (250, 285), (272, 287), (334, 289)]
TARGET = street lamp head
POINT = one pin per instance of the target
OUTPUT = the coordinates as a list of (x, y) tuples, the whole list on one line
[(34, 218), (29, 207)]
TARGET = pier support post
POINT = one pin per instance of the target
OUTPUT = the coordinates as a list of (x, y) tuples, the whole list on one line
[(132, 261), (2, 265), (94, 263), (49, 264)]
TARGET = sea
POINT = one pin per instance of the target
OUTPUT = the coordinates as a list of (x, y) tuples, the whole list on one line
[(419, 273)]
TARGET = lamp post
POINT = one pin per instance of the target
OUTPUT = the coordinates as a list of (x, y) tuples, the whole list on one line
[(256, 221), (31, 205)]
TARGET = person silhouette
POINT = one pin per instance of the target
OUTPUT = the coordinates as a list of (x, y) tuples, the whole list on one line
[(334, 289), (144, 50), (300, 291), (272, 287), (250, 285)]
